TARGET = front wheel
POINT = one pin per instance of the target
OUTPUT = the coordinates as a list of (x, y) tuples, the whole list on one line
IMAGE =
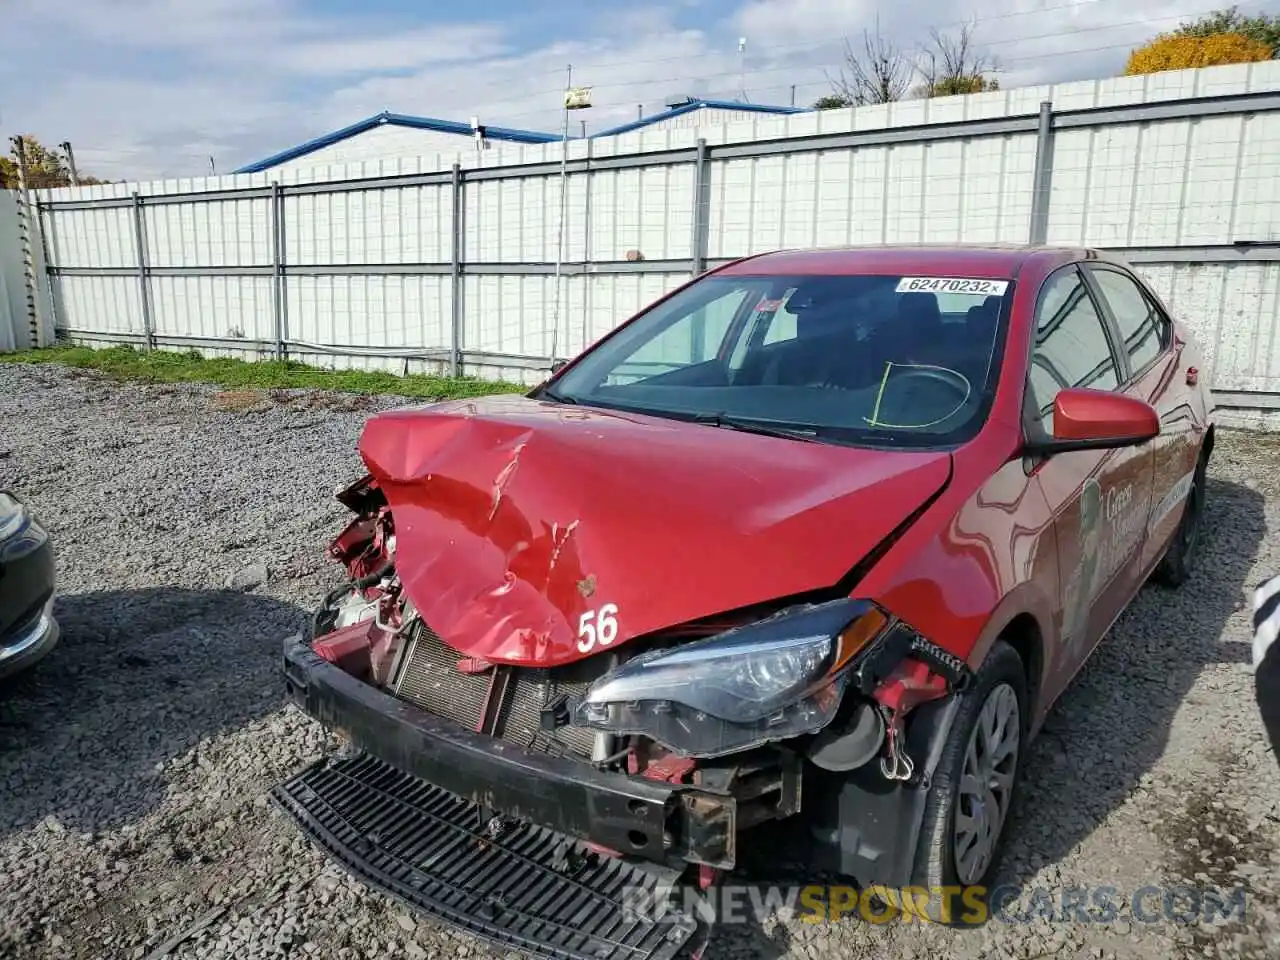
[(1175, 566), (972, 792)]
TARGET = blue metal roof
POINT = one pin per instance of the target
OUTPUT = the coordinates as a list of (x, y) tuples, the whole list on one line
[(508, 134), (397, 120), (698, 105)]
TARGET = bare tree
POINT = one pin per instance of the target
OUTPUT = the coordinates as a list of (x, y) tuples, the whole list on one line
[(951, 64), (881, 73)]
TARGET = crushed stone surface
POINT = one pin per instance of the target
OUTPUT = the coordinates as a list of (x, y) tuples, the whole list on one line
[(190, 525)]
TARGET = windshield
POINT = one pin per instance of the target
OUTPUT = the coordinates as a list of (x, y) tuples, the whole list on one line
[(866, 359)]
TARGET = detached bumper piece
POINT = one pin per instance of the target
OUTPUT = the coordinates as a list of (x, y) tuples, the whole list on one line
[(511, 883), (639, 817)]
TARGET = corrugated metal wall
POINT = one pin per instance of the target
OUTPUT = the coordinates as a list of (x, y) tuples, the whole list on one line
[(378, 143), (362, 264), (704, 117)]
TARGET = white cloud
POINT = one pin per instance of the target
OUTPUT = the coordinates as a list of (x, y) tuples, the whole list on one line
[(784, 22), (525, 90), (1032, 41), (154, 87), (414, 48)]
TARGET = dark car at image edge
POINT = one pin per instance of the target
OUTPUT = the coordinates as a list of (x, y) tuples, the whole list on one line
[(820, 536), (28, 630)]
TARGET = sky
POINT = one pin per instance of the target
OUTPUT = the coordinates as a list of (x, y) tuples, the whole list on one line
[(154, 88)]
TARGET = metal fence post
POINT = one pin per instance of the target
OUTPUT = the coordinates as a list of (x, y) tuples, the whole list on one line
[(1042, 178), (140, 238), (46, 263), (698, 243), (586, 250), (455, 345), (278, 294), (701, 209)]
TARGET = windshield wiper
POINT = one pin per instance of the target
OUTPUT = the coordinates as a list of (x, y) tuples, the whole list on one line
[(556, 397), (762, 427)]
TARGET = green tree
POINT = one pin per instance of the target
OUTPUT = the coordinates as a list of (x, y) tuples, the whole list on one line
[(878, 73), (947, 64), (45, 168), (952, 64), (1262, 29), (832, 101)]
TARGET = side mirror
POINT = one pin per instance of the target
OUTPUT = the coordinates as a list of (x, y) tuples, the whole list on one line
[(559, 365), (1097, 420)]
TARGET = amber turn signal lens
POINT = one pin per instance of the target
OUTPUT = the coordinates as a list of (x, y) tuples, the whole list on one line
[(855, 637)]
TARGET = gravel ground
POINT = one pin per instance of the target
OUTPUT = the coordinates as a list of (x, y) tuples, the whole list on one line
[(134, 762)]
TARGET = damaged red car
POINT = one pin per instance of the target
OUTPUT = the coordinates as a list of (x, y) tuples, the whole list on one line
[(820, 536)]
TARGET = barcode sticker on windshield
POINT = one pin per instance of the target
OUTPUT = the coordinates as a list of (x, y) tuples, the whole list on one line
[(970, 285)]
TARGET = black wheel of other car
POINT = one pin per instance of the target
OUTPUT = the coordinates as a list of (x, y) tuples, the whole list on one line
[(974, 785), (1174, 568)]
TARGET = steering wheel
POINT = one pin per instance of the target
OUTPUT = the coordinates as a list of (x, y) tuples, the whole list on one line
[(934, 374), (898, 375)]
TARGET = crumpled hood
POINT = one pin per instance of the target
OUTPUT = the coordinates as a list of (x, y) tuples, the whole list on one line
[(537, 533)]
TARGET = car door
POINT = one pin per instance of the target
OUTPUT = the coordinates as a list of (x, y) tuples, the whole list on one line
[(1157, 376), (1099, 498)]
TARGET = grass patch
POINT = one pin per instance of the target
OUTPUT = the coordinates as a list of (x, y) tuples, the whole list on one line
[(168, 366)]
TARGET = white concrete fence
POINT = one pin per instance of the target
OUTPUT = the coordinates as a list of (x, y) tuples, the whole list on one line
[(449, 263), (26, 310)]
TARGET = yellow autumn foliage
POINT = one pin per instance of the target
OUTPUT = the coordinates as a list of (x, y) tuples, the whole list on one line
[(1169, 52)]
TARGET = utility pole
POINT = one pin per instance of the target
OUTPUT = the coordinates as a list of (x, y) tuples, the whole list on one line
[(742, 69), (564, 191), (575, 98), (639, 111), (65, 146)]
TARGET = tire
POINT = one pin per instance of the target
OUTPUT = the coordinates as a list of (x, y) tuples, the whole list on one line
[(1178, 561), (942, 860)]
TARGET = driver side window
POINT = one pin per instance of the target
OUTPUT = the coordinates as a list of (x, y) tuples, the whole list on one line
[(1071, 347)]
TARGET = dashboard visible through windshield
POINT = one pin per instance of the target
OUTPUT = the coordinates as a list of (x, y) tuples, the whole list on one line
[(876, 359)]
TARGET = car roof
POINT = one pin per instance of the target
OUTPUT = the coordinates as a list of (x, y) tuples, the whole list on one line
[(988, 261)]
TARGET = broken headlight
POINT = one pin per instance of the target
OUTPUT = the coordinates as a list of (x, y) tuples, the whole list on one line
[(770, 680)]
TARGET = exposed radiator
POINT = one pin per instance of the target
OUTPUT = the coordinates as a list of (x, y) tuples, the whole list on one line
[(429, 677)]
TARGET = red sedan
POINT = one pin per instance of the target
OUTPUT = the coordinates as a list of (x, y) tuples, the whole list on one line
[(819, 535)]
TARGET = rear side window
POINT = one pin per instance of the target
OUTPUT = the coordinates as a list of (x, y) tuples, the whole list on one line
[(1071, 346), (1141, 325)]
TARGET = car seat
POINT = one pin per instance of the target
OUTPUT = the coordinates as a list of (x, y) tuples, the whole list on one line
[(915, 334), (981, 320), (826, 336)]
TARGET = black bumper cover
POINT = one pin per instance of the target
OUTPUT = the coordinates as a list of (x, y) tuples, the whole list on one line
[(649, 819), (26, 576)]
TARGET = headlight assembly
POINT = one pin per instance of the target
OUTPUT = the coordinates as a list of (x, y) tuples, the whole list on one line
[(769, 680)]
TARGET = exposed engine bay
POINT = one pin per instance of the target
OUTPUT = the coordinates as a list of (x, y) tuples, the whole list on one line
[(745, 722)]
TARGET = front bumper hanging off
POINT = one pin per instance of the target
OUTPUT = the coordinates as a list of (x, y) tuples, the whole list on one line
[(650, 819), (524, 887), (494, 839)]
